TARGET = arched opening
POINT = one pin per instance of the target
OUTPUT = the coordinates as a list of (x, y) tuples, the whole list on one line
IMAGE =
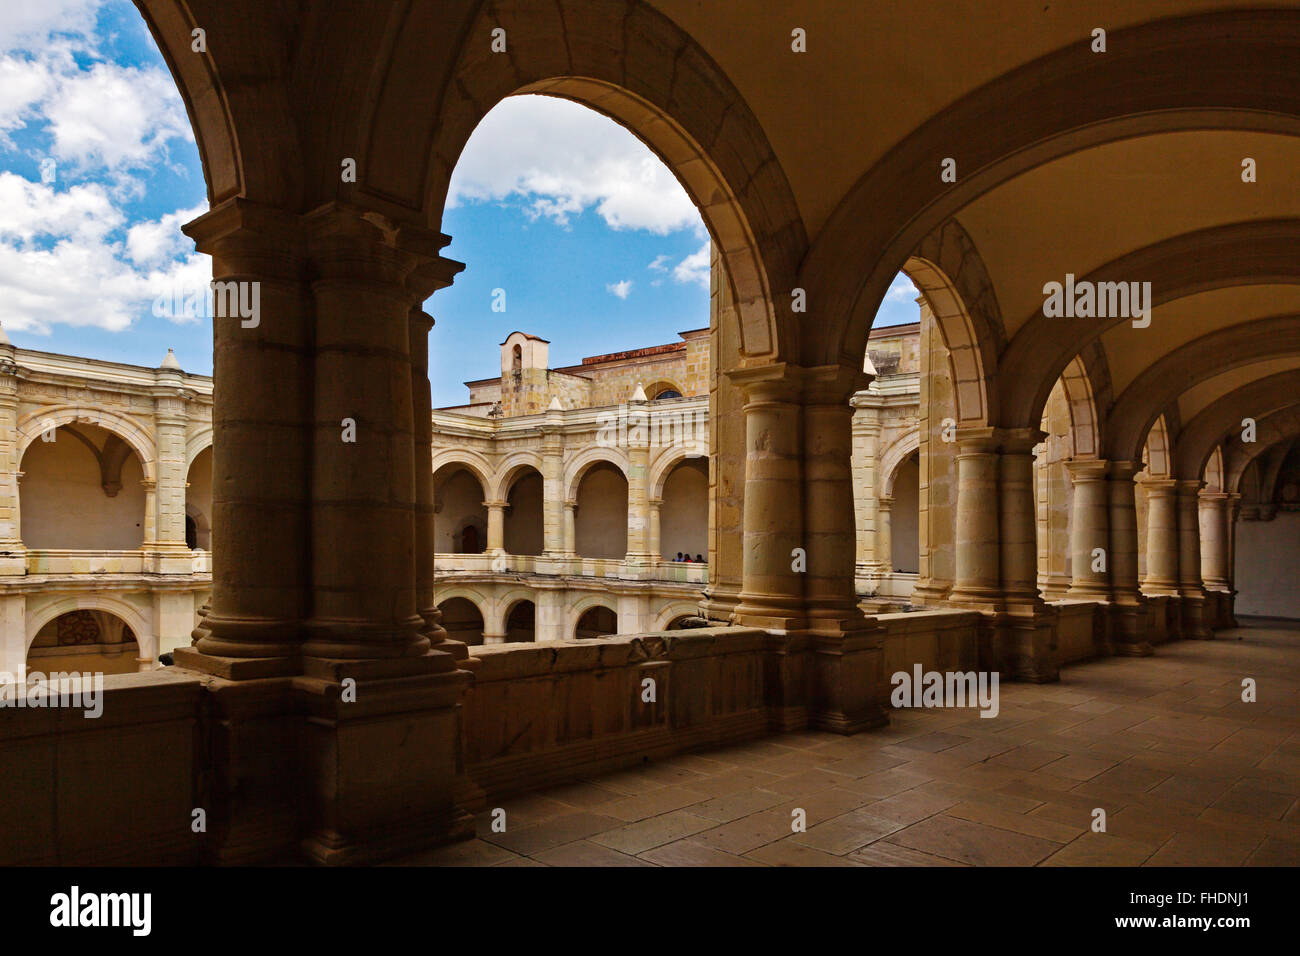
[(1267, 549), (460, 515), (462, 620), (684, 514), (82, 489), (523, 524), (521, 623), (600, 525), (84, 641), (682, 621), (662, 390), (198, 502), (598, 621), (904, 515)]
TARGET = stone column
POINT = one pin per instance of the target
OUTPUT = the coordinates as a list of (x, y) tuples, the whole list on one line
[(884, 545), (496, 527), (1214, 540), (170, 555), (976, 581), (262, 395), (1190, 587), (1027, 629), (1162, 536), (1129, 614), (1234, 510), (848, 657), (363, 458), (149, 527), (771, 588), (13, 555), (570, 528), (13, 635), (655, 547), (1088, 530)]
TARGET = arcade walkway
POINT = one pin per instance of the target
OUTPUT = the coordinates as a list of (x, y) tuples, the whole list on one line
[(1187, 773)]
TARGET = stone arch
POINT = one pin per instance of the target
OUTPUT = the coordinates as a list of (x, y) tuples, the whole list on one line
[(1196, 361), (471, 461), (58, 605), (1085, 441), (626, 60), (509, 471), (1212, 474), (508, 613), (1200, 436), (1159, 449), (674, 611), (1080, 100), (1271, 430), (655, 390), (196, 444), (894, 456), (947, 270), (468, 596), (584, 461), (502, 605), (583, 605), (663, 466), (128, 429), (1256, 252)]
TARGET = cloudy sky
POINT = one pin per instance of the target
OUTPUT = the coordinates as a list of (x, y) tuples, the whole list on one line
[(590, 237)]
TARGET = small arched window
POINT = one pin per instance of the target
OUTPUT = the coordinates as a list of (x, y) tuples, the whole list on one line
[(518, 362)]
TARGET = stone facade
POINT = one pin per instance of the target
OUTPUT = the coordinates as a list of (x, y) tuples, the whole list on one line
[(104, 473)]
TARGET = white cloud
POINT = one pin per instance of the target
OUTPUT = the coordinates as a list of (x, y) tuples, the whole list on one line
[(660, 263), (60, 262), (115, 117), (901, 289), (694, 268), (621, 288), (32, 21), (561, 159)]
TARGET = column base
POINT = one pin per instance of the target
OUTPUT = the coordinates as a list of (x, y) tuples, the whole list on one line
[(1196, 621), (1023, 639), (1129, 627), (785, 682), (848, 681)]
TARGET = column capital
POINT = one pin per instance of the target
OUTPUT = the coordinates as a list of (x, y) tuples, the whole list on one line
[(654, 502), (1214, 497), (885, 502), (976, 440), (1159, 487), (777, 382), (496, 504), (1086, 469), (1123, 470), (1188, 487), (833, 384), (1020, 441)]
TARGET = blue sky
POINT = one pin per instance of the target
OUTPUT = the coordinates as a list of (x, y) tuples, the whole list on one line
[(594, 243)]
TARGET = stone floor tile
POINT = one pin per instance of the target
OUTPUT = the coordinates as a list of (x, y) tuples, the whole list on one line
[(656, 831), (585, 853), (529, 841), (974, 843), (788, 853), (691, 853)]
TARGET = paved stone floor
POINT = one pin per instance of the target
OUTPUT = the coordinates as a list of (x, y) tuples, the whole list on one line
[(1187, 773)]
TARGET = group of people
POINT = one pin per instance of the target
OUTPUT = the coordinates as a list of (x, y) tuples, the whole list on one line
[(687, 559)]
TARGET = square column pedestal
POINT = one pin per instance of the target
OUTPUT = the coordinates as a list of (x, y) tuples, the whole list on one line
[(350, 762)]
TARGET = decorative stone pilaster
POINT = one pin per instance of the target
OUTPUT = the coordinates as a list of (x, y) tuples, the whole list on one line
[(1089, 530), (867, 490), (638, 477), (168, 552), (1190, 587), (13, 554), (1162, 536), (1129, 615), (553, 541), (884, 544)]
